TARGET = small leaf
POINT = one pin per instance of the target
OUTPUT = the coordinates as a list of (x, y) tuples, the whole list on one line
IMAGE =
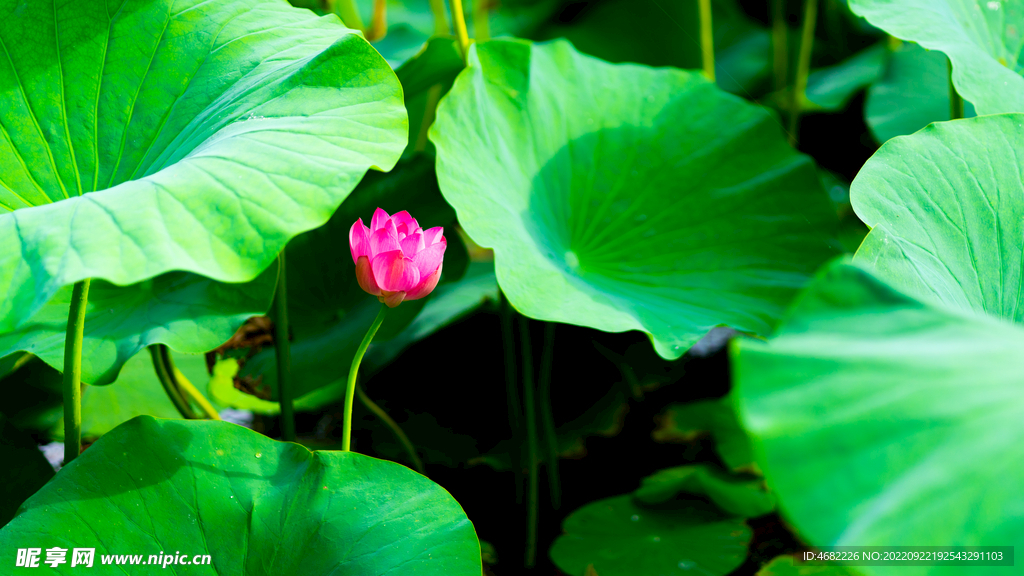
[(685, 422), (740, 494), (617, 537), (831, 88), (788, 566)]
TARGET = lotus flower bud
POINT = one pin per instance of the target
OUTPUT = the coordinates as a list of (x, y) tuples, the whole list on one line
[(395, 259)]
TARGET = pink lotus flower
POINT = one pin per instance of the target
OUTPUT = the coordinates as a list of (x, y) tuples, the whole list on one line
[(396, 260)]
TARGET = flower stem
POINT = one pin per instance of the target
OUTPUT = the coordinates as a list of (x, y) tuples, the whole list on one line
[(459, 17), (349, 14), (780, 45), (956, 103), (165, 374), (515, 407), (533, 495), (379, 23), (803, 68), (282, 352), (441, 27), (395, 428), (73, 371), (547, 416), (190, 391), (350, 389), (482, 20), (707, 40)]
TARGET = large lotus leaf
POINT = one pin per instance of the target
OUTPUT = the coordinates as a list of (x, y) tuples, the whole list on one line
[(623, 197), (195, 135), (946, 207), (913, 93), (186, 311), (137, 392), (256, 506), (883, 420), (983, 38), (619, 538)]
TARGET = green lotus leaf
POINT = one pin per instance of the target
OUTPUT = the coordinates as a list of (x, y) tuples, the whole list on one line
[(946, 207), (885, 420), (25, 470), (194, 136), (256, 506), (186, 311), (913, 93), (983, 38), (620, 538), (623, 197), (740, 494)]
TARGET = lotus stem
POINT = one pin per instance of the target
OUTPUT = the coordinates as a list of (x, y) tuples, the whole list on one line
[(350, 389), (530, 402), (515, 407), (459, 18), (72, 383), (441, 27), (803, 68), (707, 40), (379, 23), (780, 45), (349, 14), (547, 415), (186, 386), (282, 351), (395, 429), (165, 374), (482, 20), (956, 103)]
